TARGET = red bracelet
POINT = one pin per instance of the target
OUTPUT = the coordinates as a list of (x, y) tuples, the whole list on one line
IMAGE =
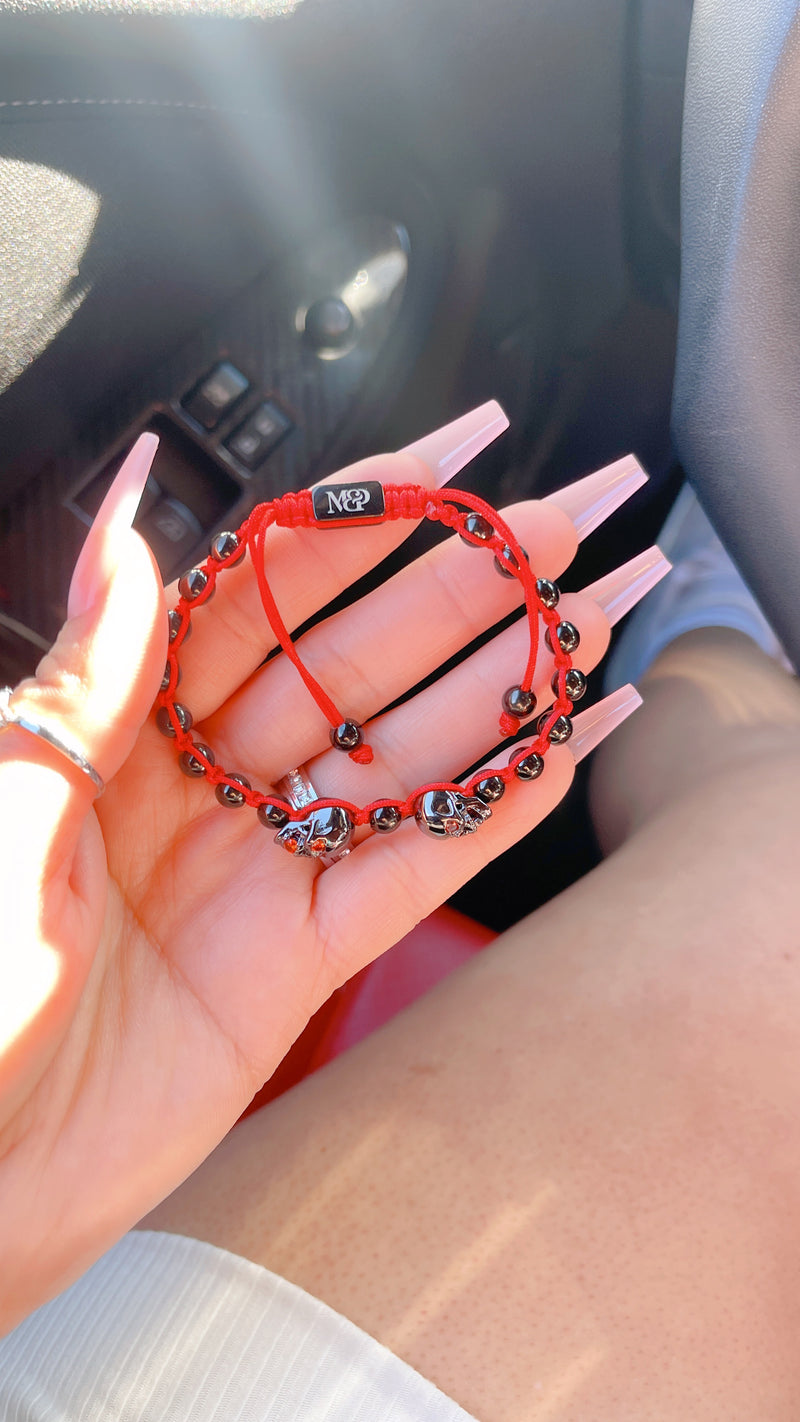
[(443, 808)]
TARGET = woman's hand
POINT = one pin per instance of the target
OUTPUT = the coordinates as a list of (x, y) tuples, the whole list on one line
[(160, 953)]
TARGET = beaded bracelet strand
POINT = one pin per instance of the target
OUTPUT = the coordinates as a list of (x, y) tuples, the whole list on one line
[(442, 808)]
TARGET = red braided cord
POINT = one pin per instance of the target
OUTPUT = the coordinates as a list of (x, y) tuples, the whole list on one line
[(402, 501), (296, 512), (440, 505)]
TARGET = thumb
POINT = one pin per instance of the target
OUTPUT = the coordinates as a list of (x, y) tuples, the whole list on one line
[(94, 688), (92, 691)]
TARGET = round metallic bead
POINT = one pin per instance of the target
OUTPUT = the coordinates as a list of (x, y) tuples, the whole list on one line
[(530, 767), (490, 789), (502, 568), (189, 763), (193, 584), (228, 795), (569, 638), (272, 816), (182, 715), (223, 545), (166, 677), (478, 527), (347, 737), (559, 732), (548, 592), (385, 819), (574, 684), (175, 622), (518, 702)]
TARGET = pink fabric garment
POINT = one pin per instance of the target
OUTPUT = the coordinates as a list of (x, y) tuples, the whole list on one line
[(412, 967)]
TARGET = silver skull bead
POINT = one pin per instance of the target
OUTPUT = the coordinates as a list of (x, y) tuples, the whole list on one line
[(322, 832), (449, 814)]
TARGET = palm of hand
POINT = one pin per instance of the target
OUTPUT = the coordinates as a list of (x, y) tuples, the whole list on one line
[(218, 923)]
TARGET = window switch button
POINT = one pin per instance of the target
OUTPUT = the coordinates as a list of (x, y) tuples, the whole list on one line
[(216, 394), (259, 435)]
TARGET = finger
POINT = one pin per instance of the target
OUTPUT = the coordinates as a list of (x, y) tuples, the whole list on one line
[(308, 567), (93, 691), (469, 696), (95, 686), (451, 724), (377, 895), (590, 727), (396, 636)]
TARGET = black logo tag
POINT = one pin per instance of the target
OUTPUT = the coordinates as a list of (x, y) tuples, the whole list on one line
[(343, 503)]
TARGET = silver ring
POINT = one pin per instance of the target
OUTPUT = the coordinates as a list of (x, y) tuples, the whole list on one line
[(296, 787), (10, 717)]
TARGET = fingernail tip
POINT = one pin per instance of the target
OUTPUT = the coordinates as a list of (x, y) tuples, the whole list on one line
[(619, 591), (149, 439), (593, 726), (591, 500), (447, 450), (120, 504), (498, 413), (632, 694)]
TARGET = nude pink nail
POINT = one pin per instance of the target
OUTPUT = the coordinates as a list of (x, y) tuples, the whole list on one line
[(97, 557), (620, 590), (448, 449), (590, 727), (590, 501)]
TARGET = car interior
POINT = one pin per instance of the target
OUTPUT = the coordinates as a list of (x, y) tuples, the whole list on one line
[(285, 234)]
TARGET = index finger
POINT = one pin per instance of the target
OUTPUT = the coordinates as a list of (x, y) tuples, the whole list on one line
[(307, 570)]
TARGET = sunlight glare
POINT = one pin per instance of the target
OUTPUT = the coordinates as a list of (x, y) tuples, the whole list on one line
[(476, 1259)]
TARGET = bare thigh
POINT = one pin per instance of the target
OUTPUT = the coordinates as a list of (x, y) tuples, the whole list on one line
[(566, 1184)]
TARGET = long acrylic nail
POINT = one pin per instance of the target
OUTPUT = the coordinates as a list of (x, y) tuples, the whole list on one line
[(590, 501), (590, 727), (448, 449), (116, 513), (620, 590)]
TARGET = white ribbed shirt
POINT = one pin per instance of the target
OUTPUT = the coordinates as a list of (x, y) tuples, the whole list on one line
[(165, 1328)]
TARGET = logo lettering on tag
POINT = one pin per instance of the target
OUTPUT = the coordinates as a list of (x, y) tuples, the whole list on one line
[(347, 501)]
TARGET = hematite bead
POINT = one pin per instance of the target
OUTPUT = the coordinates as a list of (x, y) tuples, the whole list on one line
[(491, 788), (347, 736), (569, 638), (530, 767), (504, 571), (560, 731), (574, 684), (183, 717), (479, 527), (189, 763), (175, 620), (385, 819), (223, 545), (165, 678), (272, 816), (227, 795), (518, 702), (548, 592), (193, 583)]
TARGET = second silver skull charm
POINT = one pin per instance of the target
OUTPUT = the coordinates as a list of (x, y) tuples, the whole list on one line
[(449, 814)]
